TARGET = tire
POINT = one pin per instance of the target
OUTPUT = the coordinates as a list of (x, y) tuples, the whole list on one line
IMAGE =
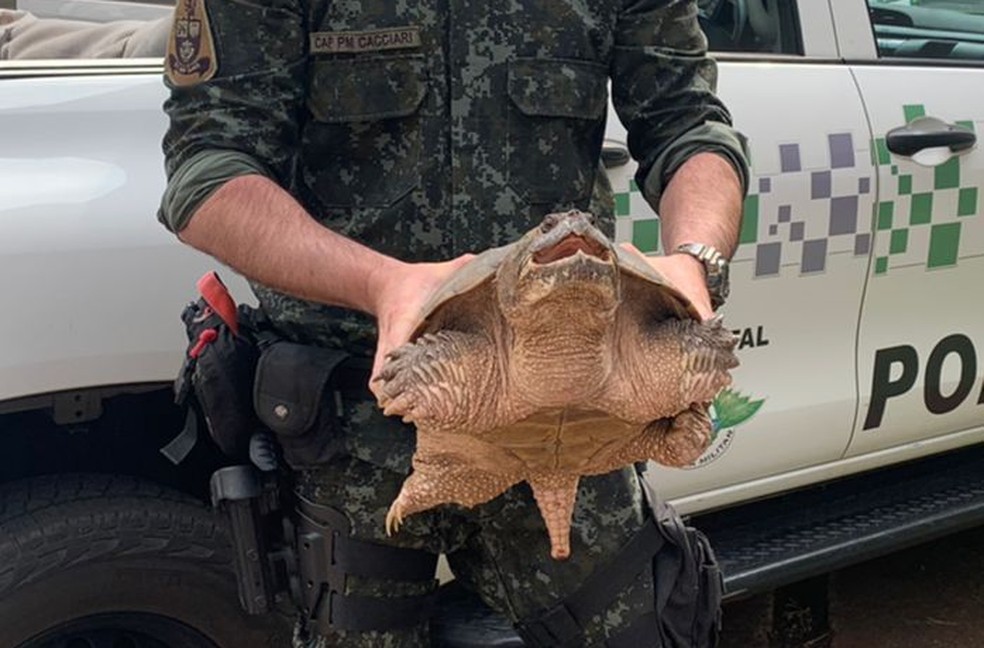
[(94, 561)]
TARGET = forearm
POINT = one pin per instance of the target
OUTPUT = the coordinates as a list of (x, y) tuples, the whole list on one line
[(702, 203), (258, 229)]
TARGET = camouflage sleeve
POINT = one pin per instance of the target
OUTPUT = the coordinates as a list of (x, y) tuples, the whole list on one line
[(663, 88), (236, 70)]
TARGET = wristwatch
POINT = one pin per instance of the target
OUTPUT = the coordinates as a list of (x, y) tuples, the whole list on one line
[(715, 270)]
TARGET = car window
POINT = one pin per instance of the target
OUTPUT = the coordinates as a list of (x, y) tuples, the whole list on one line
[(99, 11), (929, 29), (83, 29), (753, 26)]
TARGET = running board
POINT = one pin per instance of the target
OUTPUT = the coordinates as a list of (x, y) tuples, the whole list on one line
[(775, 542)]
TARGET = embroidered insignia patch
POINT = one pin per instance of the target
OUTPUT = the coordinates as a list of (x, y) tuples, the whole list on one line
[(190, 49), (364, 41)]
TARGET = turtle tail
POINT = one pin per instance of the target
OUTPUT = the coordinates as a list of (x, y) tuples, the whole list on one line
[(555, 496)]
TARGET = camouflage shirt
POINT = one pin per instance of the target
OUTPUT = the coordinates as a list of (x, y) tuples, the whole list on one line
[(431, 128)]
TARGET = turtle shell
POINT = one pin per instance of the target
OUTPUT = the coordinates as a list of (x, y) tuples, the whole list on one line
[(470, 291)]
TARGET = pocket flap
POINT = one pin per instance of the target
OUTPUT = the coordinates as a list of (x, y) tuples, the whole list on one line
[(559, 87), (354, 90), (290, 384)]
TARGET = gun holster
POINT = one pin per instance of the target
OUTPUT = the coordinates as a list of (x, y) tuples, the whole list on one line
[(310, 557)]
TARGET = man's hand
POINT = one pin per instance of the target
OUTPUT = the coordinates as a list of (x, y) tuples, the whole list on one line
[(402, 291), (685, 273)]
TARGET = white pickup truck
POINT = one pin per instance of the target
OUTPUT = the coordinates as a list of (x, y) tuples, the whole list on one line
[(853, 427)]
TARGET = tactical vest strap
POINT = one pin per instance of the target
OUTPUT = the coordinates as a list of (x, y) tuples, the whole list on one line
[(563, 624), (328, 555)]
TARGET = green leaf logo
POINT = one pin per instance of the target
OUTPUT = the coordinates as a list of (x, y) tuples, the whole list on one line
[(734, 409)]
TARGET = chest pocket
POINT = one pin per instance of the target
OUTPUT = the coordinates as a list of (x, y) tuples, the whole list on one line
[(556, 128), (362, 147)]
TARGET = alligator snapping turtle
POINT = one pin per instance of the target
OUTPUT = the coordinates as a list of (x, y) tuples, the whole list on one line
[(557, 356)]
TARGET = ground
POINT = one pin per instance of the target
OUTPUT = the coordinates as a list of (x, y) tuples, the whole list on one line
[(929, 596)]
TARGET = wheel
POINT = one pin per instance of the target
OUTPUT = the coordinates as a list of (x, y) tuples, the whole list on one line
[(95, 561)]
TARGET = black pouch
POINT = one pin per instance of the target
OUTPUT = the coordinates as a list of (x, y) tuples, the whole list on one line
[(689, 584), (294, 397), (217, 377)]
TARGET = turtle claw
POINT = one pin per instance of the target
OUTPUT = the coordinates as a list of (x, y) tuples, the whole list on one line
[(394, 520), (395, 354), (398, 405), (391, 369)]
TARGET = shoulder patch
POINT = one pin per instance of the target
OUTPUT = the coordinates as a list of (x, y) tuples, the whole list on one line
[(190, 48)]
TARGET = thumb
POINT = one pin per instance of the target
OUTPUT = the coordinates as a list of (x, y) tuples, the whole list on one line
[(384, 346), (630, 247), (391, 334), (459, 262)]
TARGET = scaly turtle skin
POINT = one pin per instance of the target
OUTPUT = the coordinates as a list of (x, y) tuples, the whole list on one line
[(557, 356)]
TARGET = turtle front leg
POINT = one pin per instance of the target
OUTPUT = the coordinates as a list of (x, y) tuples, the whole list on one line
[(442, 381), (663, 370)]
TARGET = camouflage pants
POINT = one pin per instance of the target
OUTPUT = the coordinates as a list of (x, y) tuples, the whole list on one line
[(499, 549)]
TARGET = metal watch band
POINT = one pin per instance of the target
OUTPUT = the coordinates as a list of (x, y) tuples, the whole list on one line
[(715, 270)]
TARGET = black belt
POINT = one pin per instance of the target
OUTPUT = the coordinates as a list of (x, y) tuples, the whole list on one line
[(562, 625), (328, 555)]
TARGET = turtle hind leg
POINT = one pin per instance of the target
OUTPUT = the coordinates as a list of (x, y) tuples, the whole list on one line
[(555, 495), (443, 482), (677, 441)]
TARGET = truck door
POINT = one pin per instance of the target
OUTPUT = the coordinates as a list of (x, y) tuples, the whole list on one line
[(921, 344), (798, 275)]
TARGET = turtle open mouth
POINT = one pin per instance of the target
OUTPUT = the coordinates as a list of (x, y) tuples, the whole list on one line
[(568, 247)]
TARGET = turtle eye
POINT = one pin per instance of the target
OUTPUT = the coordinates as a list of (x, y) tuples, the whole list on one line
[(549, 222)]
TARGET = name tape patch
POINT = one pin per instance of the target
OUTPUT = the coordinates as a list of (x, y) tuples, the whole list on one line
[(365, 41)]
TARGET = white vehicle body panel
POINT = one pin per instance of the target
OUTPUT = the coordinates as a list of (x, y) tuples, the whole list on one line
[(92, 285)]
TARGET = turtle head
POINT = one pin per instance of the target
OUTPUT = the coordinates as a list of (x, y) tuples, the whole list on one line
[(565, 258)]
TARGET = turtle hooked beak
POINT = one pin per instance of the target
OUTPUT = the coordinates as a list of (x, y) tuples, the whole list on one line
[(568, 247), (562, 236)]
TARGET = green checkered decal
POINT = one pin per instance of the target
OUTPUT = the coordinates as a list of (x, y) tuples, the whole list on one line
[(779, 225), (800, 212), (635, 221), (921, 217)]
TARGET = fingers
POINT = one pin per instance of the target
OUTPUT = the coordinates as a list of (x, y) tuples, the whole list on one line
[(626, 245), (687, 275), (393, 333), (399, 311)]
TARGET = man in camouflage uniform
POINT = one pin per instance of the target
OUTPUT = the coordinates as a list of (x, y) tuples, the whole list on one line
[(344, 155)]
